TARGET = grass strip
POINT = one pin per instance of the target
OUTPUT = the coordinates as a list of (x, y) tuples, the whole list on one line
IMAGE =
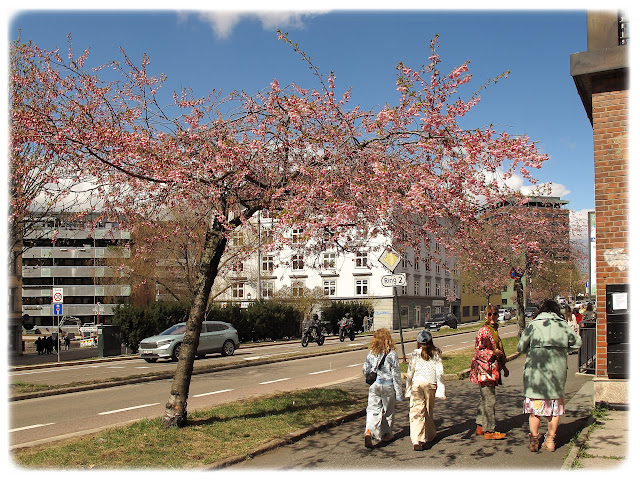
[(212, 434)]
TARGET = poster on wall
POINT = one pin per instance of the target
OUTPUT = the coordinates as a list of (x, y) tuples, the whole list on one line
[(592, 254)]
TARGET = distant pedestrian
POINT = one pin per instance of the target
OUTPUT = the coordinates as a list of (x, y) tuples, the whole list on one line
[(546, 341), (39, 346), (48, 345), (487, 365), (577, 316), (589, 315), (569, 318), (386, 390), (67, 342), (425, 383)]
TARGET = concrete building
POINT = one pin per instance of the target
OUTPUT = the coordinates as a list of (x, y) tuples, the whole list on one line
[(84, 262), (601, 76), (431, 286)]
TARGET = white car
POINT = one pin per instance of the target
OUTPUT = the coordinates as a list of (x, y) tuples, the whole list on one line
[(504, 315)]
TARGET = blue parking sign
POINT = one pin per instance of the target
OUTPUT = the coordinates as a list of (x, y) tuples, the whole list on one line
[(57, 309)]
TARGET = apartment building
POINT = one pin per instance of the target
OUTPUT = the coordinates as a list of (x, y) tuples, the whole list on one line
[(85, 262), (431, 285)]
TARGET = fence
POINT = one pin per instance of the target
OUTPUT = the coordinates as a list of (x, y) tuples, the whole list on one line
[(587, 352)]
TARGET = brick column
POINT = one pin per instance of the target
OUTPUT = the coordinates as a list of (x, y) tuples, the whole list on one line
[(610, 130)]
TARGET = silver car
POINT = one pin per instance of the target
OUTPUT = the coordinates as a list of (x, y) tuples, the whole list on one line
[(215, 337)]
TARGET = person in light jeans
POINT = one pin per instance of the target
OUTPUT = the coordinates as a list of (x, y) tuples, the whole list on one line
[(425, 383), (386, 390)]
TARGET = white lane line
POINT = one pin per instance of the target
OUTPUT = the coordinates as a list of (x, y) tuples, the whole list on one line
[(30, 426), (274, 381), (128, 408), (49, 370), (142, 368), (252, 358), (354, 365), (322, 371), (116, 367), (213, 393)]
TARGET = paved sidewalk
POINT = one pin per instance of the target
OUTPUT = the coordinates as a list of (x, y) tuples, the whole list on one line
[(456, 445)]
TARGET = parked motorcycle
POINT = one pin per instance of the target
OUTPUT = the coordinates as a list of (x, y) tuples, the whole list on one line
[(314, 331), (346, 328)]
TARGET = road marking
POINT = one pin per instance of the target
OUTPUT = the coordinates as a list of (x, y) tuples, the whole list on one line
[(354, 365), (116, 367), (142, 368), (213, 393), (30, 426), (128, 408), (274, 381), (322, 371), (252, 358), (48, 370)]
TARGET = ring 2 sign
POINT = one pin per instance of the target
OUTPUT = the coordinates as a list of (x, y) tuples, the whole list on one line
[(398, 280)]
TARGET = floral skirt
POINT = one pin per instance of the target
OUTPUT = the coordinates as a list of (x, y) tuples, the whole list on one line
[(544, 407)]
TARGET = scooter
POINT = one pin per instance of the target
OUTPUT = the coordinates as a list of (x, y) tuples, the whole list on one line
[(346, 329), (315, 333)]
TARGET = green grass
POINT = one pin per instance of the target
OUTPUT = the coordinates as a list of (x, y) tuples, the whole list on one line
[(211, 435)]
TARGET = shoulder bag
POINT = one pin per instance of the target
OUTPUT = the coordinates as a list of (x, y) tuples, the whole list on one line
[(371, 377)]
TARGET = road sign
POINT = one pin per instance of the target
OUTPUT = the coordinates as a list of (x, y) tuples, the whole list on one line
[(398, 280), (390, 259), (57, 309), (56, 295)]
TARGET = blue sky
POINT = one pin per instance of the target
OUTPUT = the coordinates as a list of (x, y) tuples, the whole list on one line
[(229, 51)]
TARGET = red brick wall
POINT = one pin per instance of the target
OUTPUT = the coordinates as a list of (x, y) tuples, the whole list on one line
[(610, 129)]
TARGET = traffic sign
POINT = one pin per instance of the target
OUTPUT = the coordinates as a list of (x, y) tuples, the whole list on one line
[(57, 309), (56, 294), (398, 280), (389, 258)]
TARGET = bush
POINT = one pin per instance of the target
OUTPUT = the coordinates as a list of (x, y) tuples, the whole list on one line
[(139, 322)]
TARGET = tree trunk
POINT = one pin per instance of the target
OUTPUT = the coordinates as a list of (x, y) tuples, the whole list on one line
[(175, 414), (517, 285)]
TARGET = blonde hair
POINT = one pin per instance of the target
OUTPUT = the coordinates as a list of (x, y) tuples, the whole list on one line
[(382, 342)]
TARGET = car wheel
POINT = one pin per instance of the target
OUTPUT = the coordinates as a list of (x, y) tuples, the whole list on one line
[(228, 348), (151, 360), (176, 352)]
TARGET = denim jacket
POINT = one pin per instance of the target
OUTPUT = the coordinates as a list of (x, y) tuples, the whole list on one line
[(389, 371)]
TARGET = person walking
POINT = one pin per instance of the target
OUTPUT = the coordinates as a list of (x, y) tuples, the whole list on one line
[(547, 342), (385, 391), (487, 365), (425, 383)]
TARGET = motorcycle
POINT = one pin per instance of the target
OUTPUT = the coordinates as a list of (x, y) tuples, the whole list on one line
[(315, 332), (346, 329)]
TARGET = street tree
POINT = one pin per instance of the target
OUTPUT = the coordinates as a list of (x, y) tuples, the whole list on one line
[(336, 173)]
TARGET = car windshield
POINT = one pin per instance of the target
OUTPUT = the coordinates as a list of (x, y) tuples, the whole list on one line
[(175, 330), (438, 316)]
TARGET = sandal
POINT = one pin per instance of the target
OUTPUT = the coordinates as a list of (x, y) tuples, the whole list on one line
[(549, 442), (534, 444)]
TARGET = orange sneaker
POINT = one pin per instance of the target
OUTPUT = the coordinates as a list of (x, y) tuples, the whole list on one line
[(479, 430), (494, 435)]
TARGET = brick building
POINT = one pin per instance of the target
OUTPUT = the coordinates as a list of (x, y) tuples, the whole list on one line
[(601, 77)]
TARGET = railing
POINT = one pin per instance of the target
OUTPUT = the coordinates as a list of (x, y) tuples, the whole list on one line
[(587, 352)]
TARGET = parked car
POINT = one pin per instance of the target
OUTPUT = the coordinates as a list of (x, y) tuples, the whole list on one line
[(504, 315), (215, 337), (529, 312), (439, 320)]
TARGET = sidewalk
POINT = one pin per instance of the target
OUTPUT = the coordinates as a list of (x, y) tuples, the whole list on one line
[(457, 446)]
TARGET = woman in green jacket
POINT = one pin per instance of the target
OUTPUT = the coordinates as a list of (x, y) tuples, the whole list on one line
[(546, 341)]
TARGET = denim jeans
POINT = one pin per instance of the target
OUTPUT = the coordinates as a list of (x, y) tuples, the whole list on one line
[(382, 404)]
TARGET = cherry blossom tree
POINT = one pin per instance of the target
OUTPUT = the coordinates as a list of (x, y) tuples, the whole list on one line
[(341, 173)]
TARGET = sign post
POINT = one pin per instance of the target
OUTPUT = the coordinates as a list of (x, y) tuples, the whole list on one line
[(57, 296), (390, 259)]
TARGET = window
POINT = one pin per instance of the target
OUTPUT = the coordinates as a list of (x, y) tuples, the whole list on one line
[(328, 260), (237, 290), (476, 310), (427, 288), (427, 265), (416, 264), (362, 259), (465, 311), (238, 267), (297, 288), (405, 262), (237, 239), (266, 289), (296, 235), (329, 287), (437, 289), (416, 287), (362, 287), (437, 268), (297, 262), (267, 263)]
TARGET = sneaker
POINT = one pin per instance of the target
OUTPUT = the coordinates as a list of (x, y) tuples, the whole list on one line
[(479, 430), (368, 442), (494, 435), (418, 447)]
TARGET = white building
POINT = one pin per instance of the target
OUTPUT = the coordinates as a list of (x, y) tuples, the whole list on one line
[(84, 262), (432, 286)]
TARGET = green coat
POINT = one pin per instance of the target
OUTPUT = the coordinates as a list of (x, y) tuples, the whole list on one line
[(547, 341)]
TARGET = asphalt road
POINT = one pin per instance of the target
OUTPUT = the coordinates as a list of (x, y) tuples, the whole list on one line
[(39, 420)]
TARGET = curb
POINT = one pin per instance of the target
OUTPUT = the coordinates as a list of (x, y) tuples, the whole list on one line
[(289, 439), (580, 442)]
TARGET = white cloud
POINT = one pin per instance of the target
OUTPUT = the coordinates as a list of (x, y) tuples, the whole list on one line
[(223, 22)]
